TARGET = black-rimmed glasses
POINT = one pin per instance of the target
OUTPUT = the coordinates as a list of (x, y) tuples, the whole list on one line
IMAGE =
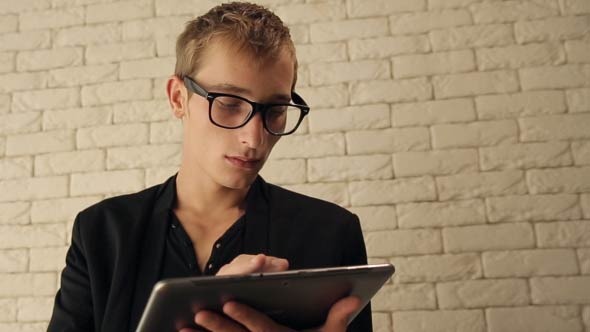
[(231, 111)]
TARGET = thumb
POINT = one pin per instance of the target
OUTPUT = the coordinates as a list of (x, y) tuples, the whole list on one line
[(339, 314)]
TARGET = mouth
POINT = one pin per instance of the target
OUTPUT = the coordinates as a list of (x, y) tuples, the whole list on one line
[(243, 162)]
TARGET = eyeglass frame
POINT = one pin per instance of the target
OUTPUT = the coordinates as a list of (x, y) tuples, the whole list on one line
[(261, 108)]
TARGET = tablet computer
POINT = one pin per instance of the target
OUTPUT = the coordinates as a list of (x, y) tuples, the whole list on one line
[(299, 299)]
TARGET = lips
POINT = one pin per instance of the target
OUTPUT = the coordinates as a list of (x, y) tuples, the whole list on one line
[(243, 162)]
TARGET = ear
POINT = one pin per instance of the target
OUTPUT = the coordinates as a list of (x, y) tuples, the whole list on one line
[(177, 93)]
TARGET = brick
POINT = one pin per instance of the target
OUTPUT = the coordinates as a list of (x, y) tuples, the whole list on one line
[(309, 13), (426, 21), (156, 67), (439, 321), (533, 208), (556, 28), (33, 188), (563, 234), (350, 118), (8, 23), (34, 309), (75, 76), (520, 104), (48, 259), (534, 318), (445, 4), (338, 72), (24, 6), (77, 118), (519, 56), (344, 30), (308, 146), (2, 146), (49, 59), (476, 83), (13, 168), (577, 51), (584, 260), (511, 11), (144, 156), (524, 156), (5, 101), (435, 162), (75, 3), (7, 310), (432, 112), (581, 151), (18, 123), (118, 11), (142, 111), (89, 35), (433, 64), (527, 263), (109, 53), (570, 7), (474, 134), (392, 191), (111, 182), (27, 284), (329, 169), (390, 91), (440, 214), (69, 162), (488, 237), (60, 210), (7, 62), (358, 8), (48, 141), (325, 96), (537, 78), (47, 99), (23, 41), (284, 171), (482, 293), (166, 132), (560, 290), (14, 213), (404, 297), (586, 316), (154, 28), (22, 81), (374, 218), (157, 175), (486, 184), (562, 180), (585, 200), (471, 37), (437, 268), (23, 327), (388, 140), (27, 236), (316, 53), (578, 100), (52, 19), (114, 135), (383, 47), (335, 192), (555, 127), (114, 92), (13, 261), (381, 322), (403, 242)]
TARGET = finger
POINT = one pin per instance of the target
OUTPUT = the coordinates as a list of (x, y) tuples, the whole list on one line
[(243, 264), (252, 319), (340, 313), (275, 264), (215, 322)]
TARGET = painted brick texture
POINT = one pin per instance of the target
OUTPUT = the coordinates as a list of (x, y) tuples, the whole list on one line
[(457, 130)]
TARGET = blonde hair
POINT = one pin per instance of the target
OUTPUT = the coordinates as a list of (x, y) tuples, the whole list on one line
[(248, 27)]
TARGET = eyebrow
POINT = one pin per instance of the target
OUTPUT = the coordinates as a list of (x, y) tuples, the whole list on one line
[(234, 89)]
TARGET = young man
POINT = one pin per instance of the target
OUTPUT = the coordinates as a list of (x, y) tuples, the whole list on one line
[(233, 90)]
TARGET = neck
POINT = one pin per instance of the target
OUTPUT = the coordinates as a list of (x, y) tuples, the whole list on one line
[(202, 197)]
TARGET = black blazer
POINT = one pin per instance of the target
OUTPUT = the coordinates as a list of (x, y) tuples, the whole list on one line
[(117, 247)]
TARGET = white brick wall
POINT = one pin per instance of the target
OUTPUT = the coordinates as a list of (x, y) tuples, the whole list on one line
[(458, 130)]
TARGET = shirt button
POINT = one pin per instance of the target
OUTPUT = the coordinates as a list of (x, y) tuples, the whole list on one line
[(217, 245), (173, 226), (210, 266)]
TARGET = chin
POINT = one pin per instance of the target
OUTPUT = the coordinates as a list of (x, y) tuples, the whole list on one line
[(237, 181)]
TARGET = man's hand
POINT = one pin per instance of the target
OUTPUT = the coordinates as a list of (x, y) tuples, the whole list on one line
[(241, 318)]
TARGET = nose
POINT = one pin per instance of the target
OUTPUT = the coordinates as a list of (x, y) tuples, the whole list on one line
[(253, 133)]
